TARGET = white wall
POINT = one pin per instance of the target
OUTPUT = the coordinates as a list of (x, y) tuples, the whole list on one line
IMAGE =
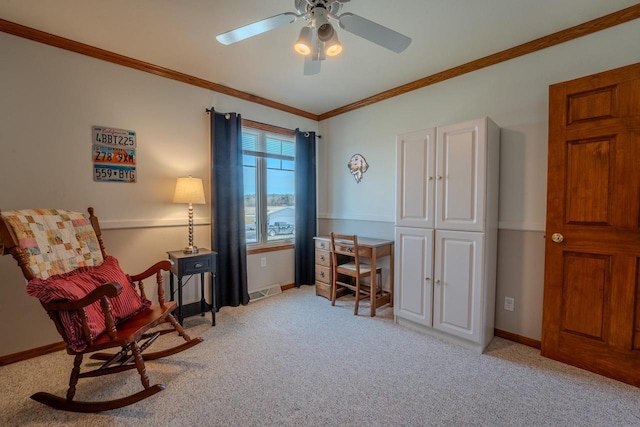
[(515, 95), (50, 99)]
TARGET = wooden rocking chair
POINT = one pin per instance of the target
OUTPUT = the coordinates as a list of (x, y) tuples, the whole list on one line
[(93, 304)]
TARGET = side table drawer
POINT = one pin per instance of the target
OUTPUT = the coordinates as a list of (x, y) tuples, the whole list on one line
[(196, 265)]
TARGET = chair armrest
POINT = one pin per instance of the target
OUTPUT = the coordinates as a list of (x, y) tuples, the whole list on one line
[(156, 269), (158, 266), (110, 289)]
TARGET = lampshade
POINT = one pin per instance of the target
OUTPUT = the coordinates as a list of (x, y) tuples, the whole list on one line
[(333, 47), (303, 44), (189, 190)]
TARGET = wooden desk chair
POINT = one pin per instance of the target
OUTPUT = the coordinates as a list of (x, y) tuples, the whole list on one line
[(342, 246), (93, 304)]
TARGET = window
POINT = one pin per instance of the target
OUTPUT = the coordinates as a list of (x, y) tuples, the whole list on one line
[(269, 197)]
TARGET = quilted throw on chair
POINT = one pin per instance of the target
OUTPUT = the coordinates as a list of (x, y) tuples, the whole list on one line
[(55, 241)]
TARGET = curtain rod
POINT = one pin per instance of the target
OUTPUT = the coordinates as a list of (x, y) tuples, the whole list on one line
[(266, 126)]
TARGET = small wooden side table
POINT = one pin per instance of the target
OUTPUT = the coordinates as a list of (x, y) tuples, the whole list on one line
[(187, 265)]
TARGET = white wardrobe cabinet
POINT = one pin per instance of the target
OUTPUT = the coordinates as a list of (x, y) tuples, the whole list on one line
[(446, 230)]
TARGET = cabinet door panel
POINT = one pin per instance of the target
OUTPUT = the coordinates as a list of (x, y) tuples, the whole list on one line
[(457, 292), (413, 274), (415, 158), (460, 176)]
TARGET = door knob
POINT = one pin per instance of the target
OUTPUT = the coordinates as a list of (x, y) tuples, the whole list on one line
[(557, 238)]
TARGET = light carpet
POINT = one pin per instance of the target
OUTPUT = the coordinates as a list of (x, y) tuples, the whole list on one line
[(294, 360)]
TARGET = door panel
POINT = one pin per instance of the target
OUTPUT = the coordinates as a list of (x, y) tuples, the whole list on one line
[(584, 294), (415, 154), (460, 176), (588, 105), (414, 271), (458, 282), (589, 195), (636, 335), (591, 303)]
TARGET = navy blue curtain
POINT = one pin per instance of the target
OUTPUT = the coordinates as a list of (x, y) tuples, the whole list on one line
[(227, 210), (306, 222)]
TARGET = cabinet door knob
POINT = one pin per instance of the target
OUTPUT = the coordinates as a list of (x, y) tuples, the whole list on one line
[(438, 177), (430, 178), (557, 238), (437, 281), (427, 278)]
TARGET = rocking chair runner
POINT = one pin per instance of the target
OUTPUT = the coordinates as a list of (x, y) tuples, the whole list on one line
[(93, 304)]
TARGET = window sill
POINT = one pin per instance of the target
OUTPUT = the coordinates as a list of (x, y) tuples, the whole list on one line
[(271, 247)]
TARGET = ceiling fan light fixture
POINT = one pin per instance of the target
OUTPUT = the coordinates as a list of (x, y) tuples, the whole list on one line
[(318, 39), (323, 27), (303, 44), (333, 47)]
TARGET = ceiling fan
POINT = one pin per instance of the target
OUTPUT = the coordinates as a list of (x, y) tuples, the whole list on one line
[(318, 38)]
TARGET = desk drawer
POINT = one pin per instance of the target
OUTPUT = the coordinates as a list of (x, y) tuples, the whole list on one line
[(323, 274), (323, 244), (364, 252), (196, 265), (323, 258)]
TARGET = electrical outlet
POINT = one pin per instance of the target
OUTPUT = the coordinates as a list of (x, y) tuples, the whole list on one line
[(508, 303), (263, 262)]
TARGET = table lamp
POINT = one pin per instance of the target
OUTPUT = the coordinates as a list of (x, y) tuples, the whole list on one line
[(189, 190)]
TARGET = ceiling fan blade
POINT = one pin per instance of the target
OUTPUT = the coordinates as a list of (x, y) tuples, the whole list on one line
[(373, 32), (311, 66), (256, 28)]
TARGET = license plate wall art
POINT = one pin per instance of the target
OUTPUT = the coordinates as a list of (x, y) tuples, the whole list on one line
[(113, 154)]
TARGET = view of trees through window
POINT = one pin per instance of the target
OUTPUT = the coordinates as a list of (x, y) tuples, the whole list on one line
[(269, 194)]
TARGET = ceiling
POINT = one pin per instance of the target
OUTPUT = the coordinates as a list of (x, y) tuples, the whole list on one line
[(180, 36)]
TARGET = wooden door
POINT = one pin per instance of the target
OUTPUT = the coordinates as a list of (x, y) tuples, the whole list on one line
[(413, 291), (460, 176), (415, 166), (591, 315), (458, 288)]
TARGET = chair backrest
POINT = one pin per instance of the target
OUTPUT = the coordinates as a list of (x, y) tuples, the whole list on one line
[(345, 245), (46, 242)]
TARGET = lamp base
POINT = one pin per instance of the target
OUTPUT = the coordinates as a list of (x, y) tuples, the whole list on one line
[(190, 250)]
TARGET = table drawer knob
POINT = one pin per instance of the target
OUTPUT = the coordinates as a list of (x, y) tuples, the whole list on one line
[(197, 265), (321, 257)]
